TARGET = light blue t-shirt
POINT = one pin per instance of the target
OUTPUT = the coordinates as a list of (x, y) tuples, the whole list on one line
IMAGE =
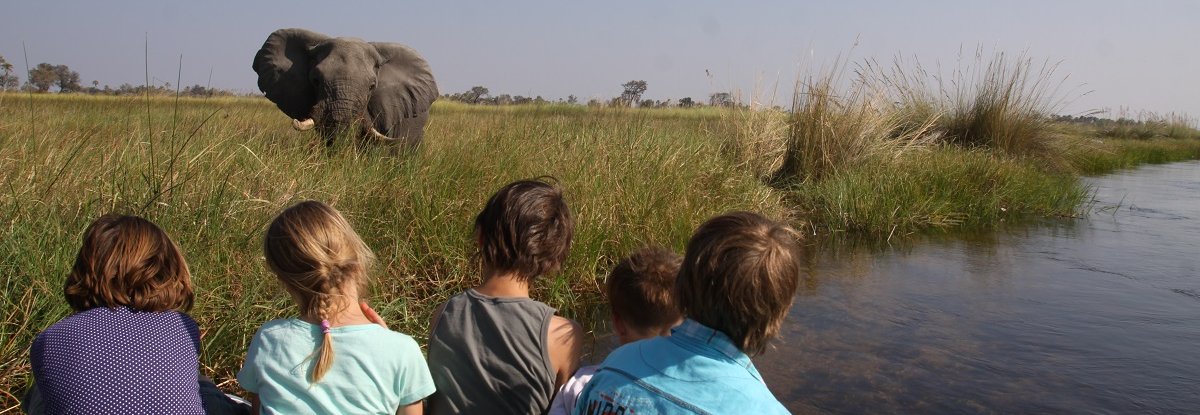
[(374, 370), (697, 370)]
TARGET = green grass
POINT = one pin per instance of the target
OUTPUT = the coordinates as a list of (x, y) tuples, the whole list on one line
[(1103, 156), (213, 172), (940, 188)]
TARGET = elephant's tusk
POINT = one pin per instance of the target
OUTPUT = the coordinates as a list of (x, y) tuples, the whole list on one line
[(379, 136), (303, 125)]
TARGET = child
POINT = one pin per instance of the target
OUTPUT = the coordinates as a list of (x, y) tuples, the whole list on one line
[(129, 348), (492, 349), (643, 306), (734, 288), (332, 359)]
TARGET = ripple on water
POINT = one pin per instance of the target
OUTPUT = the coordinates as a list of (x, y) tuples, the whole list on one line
[(1088, 316)]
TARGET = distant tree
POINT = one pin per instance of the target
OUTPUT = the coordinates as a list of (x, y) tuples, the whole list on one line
[(94, 89), (721, 99), (197, 91), (42, 77), (68, 80), (594, 103), (571, 99), (686, 102), (649, 103), (633, 91), (8, 81), (475, 94)]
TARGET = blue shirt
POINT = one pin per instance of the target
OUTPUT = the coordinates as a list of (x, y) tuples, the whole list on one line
[(119, 361), (374, 370), (697, 370)]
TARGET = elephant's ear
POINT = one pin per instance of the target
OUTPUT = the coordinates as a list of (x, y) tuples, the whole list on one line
[(404, 86), (282, 66)]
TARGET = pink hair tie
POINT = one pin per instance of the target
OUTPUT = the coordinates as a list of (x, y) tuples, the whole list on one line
[(325, 326)]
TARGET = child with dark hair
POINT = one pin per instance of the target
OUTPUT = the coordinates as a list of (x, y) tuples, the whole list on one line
[(639, 291), (735, 286), (129, 348), (492, 349)]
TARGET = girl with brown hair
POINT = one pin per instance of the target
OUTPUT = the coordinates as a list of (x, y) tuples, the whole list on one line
[(129, 347)]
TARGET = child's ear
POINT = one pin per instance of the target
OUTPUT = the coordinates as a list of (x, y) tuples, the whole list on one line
[(619, 328)]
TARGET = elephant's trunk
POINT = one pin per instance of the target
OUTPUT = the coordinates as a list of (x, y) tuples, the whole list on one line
[(341, 115)]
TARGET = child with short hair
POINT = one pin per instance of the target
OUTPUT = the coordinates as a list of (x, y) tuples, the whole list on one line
[(332, 359), (130, 347), (738, 277), (639, 291), (492, 349)]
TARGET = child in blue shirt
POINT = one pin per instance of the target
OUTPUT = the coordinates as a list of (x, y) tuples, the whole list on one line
[(738, 277), (332, 359), (643, 307)]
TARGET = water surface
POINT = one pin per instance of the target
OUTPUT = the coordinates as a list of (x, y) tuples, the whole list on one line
[(1092, 315)]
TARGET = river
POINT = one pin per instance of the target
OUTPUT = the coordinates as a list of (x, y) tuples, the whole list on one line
[(1093, 315)]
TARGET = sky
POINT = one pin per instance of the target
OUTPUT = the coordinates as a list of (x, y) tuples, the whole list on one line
[(1121, 56)]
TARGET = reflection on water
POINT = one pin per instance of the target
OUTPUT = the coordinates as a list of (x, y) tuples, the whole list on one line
[(1094, 315)]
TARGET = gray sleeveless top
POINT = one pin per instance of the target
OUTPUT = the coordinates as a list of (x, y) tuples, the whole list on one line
[(489, 355)]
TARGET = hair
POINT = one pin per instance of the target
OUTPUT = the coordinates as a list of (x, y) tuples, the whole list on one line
[(739, 275), (127, 261), (316, 254), (640, 288), (525, 227)]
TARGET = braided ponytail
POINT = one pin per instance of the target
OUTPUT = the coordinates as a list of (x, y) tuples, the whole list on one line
[(323, 358), (316, 254)]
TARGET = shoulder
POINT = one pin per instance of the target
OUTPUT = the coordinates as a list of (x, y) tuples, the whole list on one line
[(560, 323), (376, 340), (277, 325), (564, 332), (581, 377), (630, 353), (279, 329), (397, 340), (82, 320)]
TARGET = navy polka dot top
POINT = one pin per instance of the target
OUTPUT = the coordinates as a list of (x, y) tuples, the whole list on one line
[(119, 361)]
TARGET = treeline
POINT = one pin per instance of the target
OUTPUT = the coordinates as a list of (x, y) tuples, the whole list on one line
[(1145, 125), (631, 96), (60, 78)]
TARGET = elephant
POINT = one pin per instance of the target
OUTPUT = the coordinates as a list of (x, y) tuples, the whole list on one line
[(332, 84)]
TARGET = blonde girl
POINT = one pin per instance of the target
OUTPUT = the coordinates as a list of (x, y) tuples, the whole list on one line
[(331, 359)]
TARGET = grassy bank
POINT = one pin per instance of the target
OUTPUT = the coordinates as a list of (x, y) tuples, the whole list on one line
[(213, 172)]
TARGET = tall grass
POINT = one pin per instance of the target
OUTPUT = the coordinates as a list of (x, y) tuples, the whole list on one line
[(1103, 156), (998, 102), (1006, 106), (899, 149), (216, 178), (212, 172), (941, 188)]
